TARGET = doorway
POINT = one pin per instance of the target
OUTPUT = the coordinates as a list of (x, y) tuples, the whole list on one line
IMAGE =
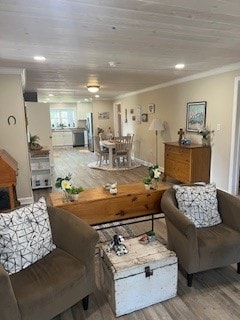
[(117, 119)]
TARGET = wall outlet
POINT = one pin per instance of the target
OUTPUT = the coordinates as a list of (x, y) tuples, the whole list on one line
[(218, 127)]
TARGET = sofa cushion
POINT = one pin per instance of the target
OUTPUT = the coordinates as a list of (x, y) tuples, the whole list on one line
[(25, 236), (50, 286), (213, 248), (199, 204)]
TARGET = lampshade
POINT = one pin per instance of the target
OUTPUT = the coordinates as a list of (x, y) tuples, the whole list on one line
[(156, 125), (93, 89)]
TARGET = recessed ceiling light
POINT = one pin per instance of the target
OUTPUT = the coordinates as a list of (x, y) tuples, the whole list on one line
[(112, 64), (97, 96), (51, 95), (180, 66), (39, 58)]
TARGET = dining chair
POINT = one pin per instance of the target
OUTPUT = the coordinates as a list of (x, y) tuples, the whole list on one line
[(101, 153), (122, 149)]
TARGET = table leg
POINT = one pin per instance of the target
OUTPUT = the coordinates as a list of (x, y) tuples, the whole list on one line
[(129, 158), (111, 158)]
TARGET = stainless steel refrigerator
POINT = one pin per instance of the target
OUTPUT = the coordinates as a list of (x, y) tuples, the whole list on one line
[(89, 126)]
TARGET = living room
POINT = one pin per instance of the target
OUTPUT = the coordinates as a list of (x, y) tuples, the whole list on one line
[(218, 90), (214, 293)]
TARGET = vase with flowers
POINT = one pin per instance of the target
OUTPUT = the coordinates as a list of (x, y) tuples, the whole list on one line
[(205, 133), (70, 192), (154, 173)]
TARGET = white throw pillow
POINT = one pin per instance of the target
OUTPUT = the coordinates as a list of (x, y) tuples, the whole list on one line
[(25, 236), (199, 204)]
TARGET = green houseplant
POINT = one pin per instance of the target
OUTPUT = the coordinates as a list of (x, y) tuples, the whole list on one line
[(73, 192), (34, 143), (147, 182)]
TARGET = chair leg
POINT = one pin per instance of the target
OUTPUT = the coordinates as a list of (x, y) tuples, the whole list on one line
[(85, 302), (189, 279), (238, 267)]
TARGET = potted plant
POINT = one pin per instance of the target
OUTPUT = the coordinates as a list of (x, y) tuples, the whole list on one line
[(151, 235), (147, 182), (73, 192), (34, 143), (205, 133)]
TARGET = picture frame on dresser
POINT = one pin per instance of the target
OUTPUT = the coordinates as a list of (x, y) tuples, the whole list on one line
[(196, 116)]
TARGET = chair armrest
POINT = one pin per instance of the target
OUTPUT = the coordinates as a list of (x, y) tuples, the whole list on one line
[(177, 218), (8, 303), (72, 234), (229, 209)]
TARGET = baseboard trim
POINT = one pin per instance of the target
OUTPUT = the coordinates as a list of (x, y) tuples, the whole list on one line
[(24, 201), (147, 164)]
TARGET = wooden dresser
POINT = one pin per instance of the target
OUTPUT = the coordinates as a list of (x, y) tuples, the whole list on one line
[(187, 163)]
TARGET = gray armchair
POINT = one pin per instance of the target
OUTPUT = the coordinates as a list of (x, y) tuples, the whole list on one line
[(200, 249), (58, 281)]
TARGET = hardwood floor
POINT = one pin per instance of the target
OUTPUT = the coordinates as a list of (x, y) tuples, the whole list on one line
[(214, 294), (75, 161)]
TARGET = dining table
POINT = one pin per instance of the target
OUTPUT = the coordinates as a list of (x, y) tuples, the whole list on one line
[(110, 145)]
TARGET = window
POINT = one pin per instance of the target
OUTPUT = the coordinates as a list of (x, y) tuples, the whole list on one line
[(62, 118)]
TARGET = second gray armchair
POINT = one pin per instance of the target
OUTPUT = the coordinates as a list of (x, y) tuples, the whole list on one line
[(200, 249)]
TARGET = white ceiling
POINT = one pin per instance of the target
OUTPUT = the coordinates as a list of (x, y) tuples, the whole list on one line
[(145, 38)]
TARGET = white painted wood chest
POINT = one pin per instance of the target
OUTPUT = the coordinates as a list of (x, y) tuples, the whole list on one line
[(144, 276)]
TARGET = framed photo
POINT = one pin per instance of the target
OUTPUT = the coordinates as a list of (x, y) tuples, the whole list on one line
[(138, 114), (151, 108), (196, 116), (133, 118), (132, 111), (144, 117), (103, 115)]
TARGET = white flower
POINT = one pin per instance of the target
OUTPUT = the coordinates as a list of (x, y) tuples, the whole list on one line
[(157, 174), (66, 184)]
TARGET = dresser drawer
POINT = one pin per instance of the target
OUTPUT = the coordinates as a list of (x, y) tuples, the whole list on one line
[(179, 170), (177, 153)]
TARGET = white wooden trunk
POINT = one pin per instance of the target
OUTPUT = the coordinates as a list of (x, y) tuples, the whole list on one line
[(124, 279)]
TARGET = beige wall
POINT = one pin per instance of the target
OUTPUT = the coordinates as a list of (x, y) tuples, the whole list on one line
[(102, 106), (171, 104), (13, 138)]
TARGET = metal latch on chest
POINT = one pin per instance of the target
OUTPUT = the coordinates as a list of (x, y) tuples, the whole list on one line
[(148, 272)]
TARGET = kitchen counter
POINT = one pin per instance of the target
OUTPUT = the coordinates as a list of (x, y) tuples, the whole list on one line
[(69, 129), (69, 137)]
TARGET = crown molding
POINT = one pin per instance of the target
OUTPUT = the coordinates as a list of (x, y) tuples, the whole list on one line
[(227, 68)]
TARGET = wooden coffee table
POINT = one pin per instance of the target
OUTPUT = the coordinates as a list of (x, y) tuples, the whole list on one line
[(97, 206)]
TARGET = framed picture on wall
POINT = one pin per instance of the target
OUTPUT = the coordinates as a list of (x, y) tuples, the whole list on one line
[(196, 116), (151, 108), (138, 114), (103, 115), (144, 117)]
